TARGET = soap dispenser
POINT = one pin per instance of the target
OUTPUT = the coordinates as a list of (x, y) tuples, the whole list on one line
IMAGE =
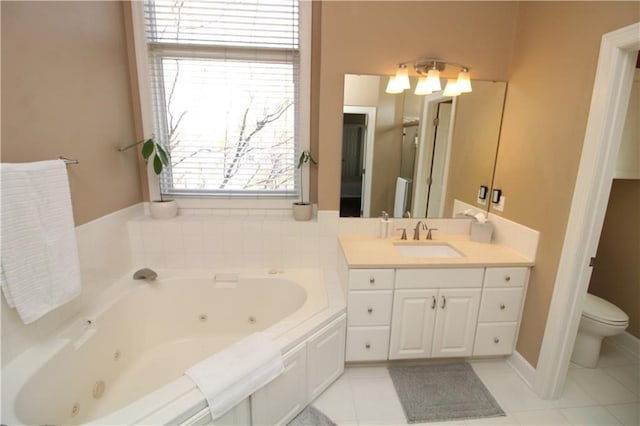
[(385, 225)]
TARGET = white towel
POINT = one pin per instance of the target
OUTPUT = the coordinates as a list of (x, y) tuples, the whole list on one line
[(40, 267), (231, 375), (400, 201)]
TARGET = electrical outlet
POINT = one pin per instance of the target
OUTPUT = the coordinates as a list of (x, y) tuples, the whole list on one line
[(499, 206)]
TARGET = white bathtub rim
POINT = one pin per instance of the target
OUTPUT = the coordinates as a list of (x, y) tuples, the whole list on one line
[(181, 393)]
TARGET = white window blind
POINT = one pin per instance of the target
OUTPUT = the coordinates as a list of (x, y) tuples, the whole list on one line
[(224, 77)]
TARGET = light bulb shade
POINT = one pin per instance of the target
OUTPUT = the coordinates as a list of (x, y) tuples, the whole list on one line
[(422, 88), (464, 82), (393, 87), (451, 89), (402, 77), (433, 80)]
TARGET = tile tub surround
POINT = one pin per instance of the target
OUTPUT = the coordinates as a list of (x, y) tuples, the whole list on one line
[(104, 254), (265, 240)]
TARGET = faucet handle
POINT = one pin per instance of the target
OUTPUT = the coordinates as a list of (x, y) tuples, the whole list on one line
[(404, 233), (429, 236)]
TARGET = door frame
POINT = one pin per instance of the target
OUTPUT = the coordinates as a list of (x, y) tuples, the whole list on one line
[(611, 91), (370, 112), (425, 149)]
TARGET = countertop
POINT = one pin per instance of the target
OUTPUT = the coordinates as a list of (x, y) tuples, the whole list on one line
[(369, 252)]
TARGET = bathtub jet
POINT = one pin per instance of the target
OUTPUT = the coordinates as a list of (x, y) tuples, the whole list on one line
[(145, 274)]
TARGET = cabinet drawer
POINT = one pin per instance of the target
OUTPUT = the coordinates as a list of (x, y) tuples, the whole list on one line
[(506, 277), (439, 278), (370, 279), (367, 343), (369, 307), (495, 339), (500, 304)]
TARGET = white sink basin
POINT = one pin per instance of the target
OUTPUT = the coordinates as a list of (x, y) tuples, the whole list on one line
[(427, 250)]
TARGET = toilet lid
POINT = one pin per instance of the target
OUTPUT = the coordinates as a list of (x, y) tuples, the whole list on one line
[(600, 310)]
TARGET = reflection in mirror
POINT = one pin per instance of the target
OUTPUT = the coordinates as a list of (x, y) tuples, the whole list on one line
[(412, 155)]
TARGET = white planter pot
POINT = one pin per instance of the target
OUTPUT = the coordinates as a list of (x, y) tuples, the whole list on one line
[(163, 209), (302, 211)]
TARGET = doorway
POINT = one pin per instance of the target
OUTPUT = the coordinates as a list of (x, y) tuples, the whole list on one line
[(614, 75), (358, 124), (432, 159)]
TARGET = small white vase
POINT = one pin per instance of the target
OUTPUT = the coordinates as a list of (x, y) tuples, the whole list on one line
[(302, 211), (163, 209)]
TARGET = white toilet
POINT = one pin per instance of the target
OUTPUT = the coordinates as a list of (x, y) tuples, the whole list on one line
[(599, 319)]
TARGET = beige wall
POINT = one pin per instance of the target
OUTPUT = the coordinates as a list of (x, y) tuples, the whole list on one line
[(616, 274), (550, 83), (65, 91), (373, 37)]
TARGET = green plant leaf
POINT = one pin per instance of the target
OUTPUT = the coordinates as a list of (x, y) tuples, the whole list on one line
[(164, 157), (305, 157), (157, 164), (147, 149)]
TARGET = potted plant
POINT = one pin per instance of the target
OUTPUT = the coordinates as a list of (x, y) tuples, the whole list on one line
[(303, 210), (159, 209)]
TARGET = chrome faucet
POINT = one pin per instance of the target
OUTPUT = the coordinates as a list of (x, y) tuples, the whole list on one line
[(145, 274), (416, 231)]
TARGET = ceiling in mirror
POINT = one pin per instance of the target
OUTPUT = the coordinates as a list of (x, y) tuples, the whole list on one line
[(413, 155)]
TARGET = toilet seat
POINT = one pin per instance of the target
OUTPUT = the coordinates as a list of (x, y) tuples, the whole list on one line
[(600, 310)]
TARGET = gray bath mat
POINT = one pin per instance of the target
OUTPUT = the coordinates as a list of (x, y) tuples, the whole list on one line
[(432, 393), (311, 416)]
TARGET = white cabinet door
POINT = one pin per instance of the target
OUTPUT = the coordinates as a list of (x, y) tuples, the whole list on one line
[(325, 356), (286, 395), (412, 324), (456, 322)]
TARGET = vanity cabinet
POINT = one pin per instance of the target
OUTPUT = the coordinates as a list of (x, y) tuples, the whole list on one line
[(369, 305), (431, 319), (433, 312), (500, 311)]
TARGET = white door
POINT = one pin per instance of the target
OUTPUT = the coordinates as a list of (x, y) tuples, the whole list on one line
[(414, 314), (456, 322)]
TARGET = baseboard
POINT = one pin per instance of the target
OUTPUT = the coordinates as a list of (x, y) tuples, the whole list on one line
[(627, 343), (522, 367)]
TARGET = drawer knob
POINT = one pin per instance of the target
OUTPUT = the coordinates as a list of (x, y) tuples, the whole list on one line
[(367, 345), (507, 278), (372, 280), (502, 306), (370, 310), (496, 340)]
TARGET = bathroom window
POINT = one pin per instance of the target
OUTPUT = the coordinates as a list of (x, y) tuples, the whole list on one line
[(227, 85)]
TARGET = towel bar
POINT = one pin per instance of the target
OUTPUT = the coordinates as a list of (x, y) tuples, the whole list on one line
[(68, 160)]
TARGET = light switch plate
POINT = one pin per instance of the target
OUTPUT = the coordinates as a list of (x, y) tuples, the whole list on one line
[(500, 205)]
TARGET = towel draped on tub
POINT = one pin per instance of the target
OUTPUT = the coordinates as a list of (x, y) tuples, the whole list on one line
[(229, 376)]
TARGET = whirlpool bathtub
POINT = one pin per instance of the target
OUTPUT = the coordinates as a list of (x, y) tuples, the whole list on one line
[(123, 362)]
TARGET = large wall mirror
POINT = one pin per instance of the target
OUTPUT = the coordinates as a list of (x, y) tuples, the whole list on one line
[(412, 155)]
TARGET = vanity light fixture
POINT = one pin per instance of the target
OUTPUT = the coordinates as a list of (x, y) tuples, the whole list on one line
[(429, 82)]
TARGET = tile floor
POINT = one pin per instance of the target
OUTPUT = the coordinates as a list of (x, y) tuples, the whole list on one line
[(607, 395)]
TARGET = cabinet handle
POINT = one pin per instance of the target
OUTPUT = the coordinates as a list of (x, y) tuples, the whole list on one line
[(444, 302), (367, 346), (496, 340), (372, 280), (507, 278), (370, 309), (433, 302), (502, 306)]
